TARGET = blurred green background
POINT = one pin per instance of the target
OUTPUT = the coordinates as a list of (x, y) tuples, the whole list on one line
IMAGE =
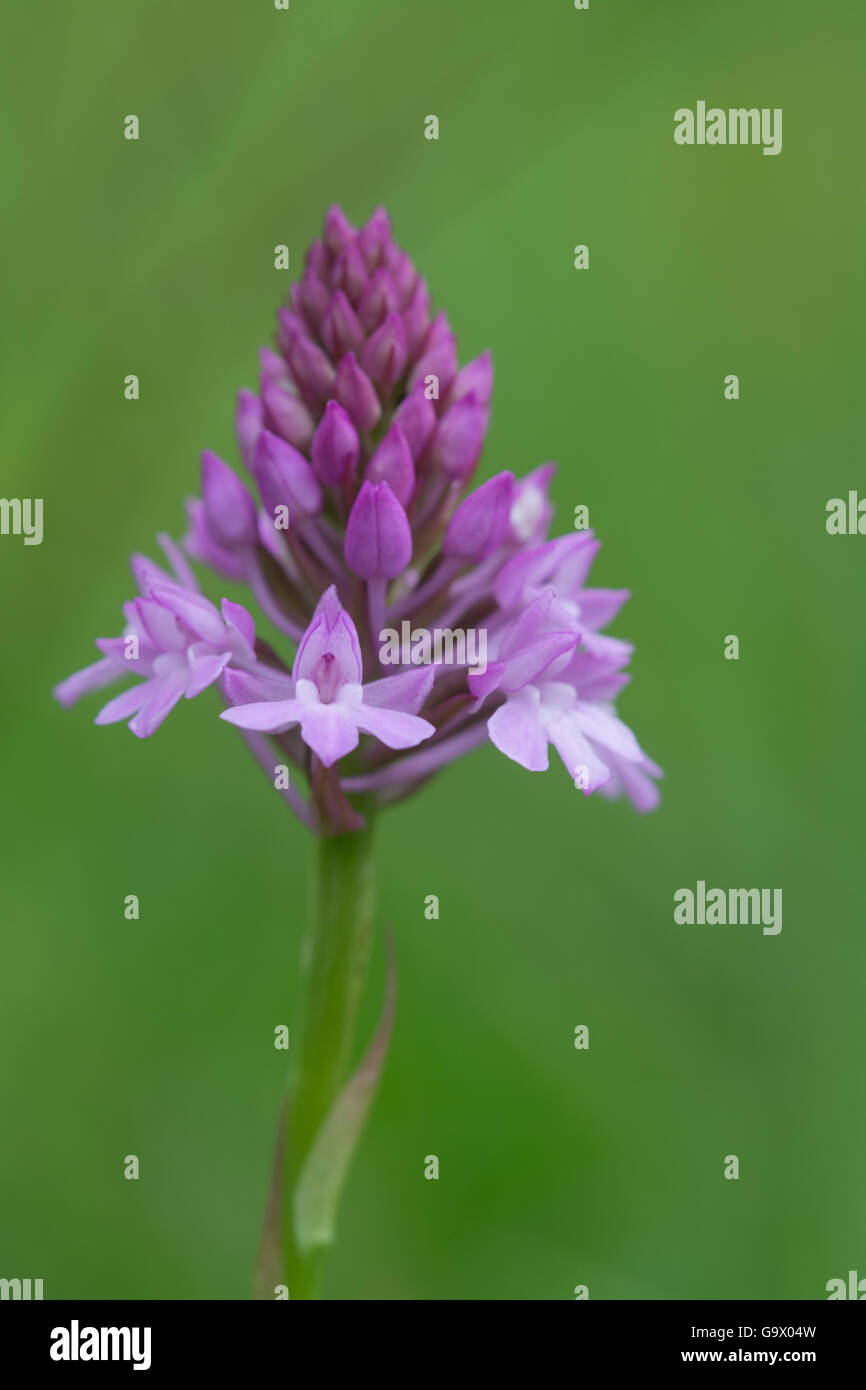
[(558, 1167)]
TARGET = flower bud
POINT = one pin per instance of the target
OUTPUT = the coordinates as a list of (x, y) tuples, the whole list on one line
[(378, 539), (338, 232), (310, 367), (392, 464), (248, 424), (357, 394), (286, 414), (480, 522), (336, 447), (350, 273), (439, 361), (374, 239), (475, 379), (229, 510), (459, 438), (341, 327), (417, 419), (385, 352), (379, 299), (285, 478)]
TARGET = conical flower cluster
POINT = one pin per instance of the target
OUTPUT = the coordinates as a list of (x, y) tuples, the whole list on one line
[(426, 615)]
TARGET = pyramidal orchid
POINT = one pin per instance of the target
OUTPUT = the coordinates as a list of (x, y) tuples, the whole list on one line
[(360, 532)]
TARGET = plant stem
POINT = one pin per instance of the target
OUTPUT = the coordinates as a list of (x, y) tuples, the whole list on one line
[(334, 966)]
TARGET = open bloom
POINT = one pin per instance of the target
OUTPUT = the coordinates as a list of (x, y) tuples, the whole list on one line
[(175, 642), (328, 700), (359, 513)]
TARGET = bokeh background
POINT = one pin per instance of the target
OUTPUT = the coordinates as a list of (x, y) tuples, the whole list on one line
[(558, 1167)]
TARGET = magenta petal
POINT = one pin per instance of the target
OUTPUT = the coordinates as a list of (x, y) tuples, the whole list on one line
[(480, 522), (285, 478), (459, 438)]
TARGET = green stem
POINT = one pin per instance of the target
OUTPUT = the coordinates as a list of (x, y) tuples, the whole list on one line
[(336, 955)]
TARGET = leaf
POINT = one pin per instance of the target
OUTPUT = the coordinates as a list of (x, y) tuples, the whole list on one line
[(318, 1189)]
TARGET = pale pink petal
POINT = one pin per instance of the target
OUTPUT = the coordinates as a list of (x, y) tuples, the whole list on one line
[(516, 731), (406, 691), (126, 705), (393, 727), (268, 716), (164, 695), (329, 730), (94, 677)]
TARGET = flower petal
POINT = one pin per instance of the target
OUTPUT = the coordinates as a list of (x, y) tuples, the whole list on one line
[(330, 730), (515, 729), (204, 670), (164, 695), (392, 727), (127, 704), (406, 691), (266, 716), (93, 677)]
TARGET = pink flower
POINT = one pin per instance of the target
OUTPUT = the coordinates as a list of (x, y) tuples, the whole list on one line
[(329, 702)]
